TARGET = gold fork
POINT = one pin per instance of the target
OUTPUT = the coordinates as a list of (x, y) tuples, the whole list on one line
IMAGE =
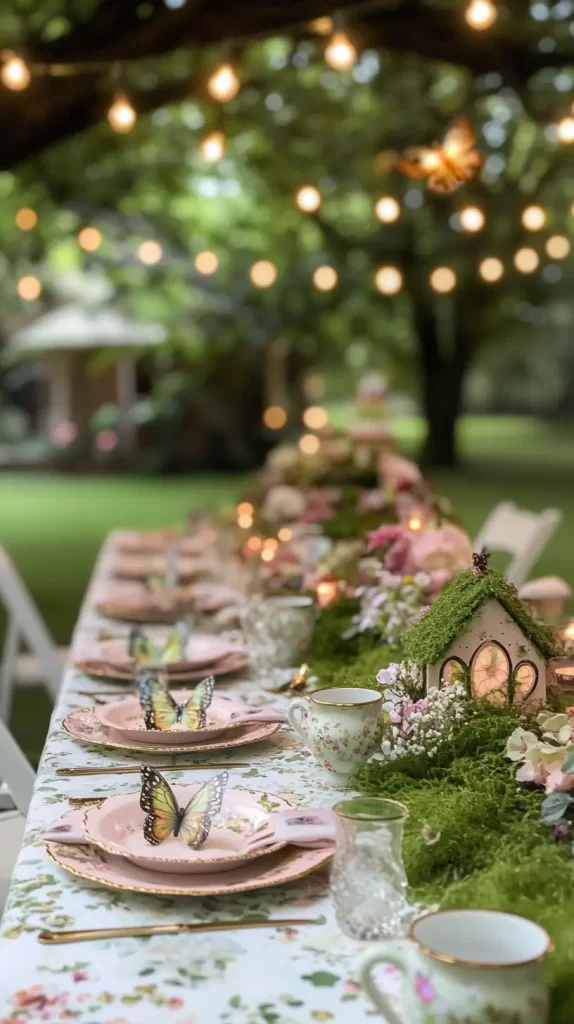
[(53, 938)]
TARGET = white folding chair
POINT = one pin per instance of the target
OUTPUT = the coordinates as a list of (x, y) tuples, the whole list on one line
[(19, 776), (24, 623), (521, 533)]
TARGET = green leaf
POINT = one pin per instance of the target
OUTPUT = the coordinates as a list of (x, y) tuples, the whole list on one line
[(323, 979), (554, 807), (568, 766), (251, 774)]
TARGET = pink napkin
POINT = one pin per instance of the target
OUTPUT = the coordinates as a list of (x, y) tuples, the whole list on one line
[(67, 829)]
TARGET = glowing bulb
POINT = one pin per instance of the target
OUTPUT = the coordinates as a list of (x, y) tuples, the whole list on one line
[(16, 74), (327, 592), (212, 147), (254, 543), (275, 417), (325, 278), (150, 252), (267, 555), (26, 219), (443, 280), (526, 260), (491, 269), (308, 199), (533, 218), (315, 418), (309, 444), (223, 84), (388, 209), (245, 508), (263, 274), (388, 280), (415, 524), (481, 14), (566, 129), (90, 239), (340, 53), (121, 115), (558, 247), (472, 218), (285, 534), (29, 288), (245, 522), (206, 262)]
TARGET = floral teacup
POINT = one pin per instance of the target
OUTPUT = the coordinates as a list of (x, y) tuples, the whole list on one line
[(342, 726), (470, 966)]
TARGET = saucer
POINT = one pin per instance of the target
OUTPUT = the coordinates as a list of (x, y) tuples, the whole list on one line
[(125, 717)]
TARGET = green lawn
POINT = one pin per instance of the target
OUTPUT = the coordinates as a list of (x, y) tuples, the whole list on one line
[(53, 526)]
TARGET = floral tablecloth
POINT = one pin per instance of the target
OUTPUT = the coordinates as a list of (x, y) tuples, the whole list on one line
[(288, 976)]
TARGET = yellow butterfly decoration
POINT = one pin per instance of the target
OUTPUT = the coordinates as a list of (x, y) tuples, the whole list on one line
[(164, 816), (445, 165), (161, 711)]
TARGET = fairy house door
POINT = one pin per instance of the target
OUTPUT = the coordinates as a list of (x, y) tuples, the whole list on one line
[(494, 658)]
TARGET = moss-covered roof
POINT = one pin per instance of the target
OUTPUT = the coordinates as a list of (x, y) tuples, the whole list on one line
[(453, 610)]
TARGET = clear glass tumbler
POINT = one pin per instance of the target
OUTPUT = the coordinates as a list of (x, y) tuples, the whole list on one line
[(368, 878)]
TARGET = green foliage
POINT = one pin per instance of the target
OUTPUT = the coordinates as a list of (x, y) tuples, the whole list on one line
[(453, 610)]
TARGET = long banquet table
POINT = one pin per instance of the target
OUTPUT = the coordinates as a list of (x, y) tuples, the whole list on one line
[(270, 976)]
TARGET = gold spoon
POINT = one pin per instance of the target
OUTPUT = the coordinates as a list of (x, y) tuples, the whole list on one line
[(127, 769), (53, 938)]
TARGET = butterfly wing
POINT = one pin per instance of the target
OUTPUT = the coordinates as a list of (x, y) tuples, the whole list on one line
[(140, 646), (193, 713), (176, 643), (201, 809), (159, 708), (459, 139), (419, 162), (459, 158), (161, 807)]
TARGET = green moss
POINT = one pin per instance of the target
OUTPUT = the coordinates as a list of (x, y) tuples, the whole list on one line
[(453, 610)]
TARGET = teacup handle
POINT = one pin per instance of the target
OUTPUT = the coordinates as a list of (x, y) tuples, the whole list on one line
[(391, 952), (298, 704)]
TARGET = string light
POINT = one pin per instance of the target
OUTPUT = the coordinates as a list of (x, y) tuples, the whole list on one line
[(267, 555), (388, 280), (245, 521), (263, 274), (491, 269), (275, 417), (29, 288), (223, 84), (526, 260), (15, 74), (388, 209), (150, 252), (309, 444), (206, 262), (481, 14), (308, 199), (212, 147), (566, 129), (558, 247), (533, 218), (26, 219), (285, 534), (340, 53), (325, 278), (245, 508), (315, 417), (255, 543), (443, 280), (271, 544), (472, 218), (90, 239), (121, 115)]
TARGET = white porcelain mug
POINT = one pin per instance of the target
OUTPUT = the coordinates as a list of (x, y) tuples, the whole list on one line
[(470, 966), (342, 726)]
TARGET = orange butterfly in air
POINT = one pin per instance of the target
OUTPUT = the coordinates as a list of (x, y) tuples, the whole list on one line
[(445, 165)]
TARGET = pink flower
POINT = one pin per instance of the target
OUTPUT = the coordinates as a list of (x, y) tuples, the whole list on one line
[(558, 782), (371, 501), (385, 534), (424, 988), (446, 548), (80, 976), (397, 471), (350, 987), (398, 557), (531, 771), (175, 1003), (33, 998)]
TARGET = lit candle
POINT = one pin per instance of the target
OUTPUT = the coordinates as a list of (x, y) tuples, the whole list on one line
[(327, 592)]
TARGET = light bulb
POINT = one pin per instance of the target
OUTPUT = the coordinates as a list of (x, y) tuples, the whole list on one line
[(206, 262), (443, 280), (340, 53), (212, 147), (223, 84), (16, 74), (481, 14), (533, 218), (26, 219), (325, 278), (121, 115), (491, 269), (388, 209), (275, 417), (263, 274), (308, 199), (526, 260), (150, 252), (29, 288), (558, 247), (566, 129), (388, 280), (472, 218)]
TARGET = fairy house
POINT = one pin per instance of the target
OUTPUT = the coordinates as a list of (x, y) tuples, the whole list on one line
[(478, 632)]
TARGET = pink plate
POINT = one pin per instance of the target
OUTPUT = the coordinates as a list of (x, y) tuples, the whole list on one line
[(126, 718), (287, 865), (156, 541), (83, 725), (133, 602), (202, 650), (116, 826), (136, 567)]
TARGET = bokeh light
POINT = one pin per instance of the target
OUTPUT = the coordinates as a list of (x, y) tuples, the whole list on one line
[(309, 444), (90, 239), (121, 115), (472, 218), (29, 288), (558, 247), (106, 440), (212, 147), (223, 84), (388, 280), (263, 274), (315, 417), (533, 218), (64, 434), (388, 209), (245, 508), (566, 130), (340, 54), (526, 260), (245, 521), (255, 543), (150, 252), (308, 199), (15, 74), (443, 280), (285, 534), (275, 417), (325, 278), (481, 14), (26, 219), (491, 269), (206, 262)]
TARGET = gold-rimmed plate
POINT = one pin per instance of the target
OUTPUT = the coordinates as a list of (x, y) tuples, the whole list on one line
[(233, 662)]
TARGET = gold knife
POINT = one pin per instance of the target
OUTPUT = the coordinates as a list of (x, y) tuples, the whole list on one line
[(128, 769), (54, 938)]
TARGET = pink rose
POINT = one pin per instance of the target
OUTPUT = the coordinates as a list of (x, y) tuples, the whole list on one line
[(446, 548), (558, 782), (385, 534)]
